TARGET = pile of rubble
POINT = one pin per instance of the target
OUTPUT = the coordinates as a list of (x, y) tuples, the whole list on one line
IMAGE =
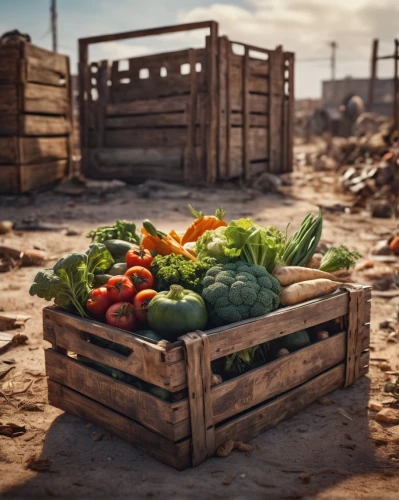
[(367, 163)]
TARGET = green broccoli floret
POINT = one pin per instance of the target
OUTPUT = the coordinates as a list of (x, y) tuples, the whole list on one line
[(238, 291), (175, 269)]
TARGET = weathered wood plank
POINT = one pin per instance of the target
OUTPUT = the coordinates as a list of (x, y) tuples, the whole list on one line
[(276, 101), (9, 179), (223, 50), (245, 115), (258, 67), (175, 455), (41, 149), (45, 99), (36, 73), (193, 352), (257, 103), (276, 377), (232, 338), (157, 86), (9, 70), (8, 124), (162, 156), (46, 59), (146, 137), (37, 125), (9, 99), (146, 361), (191, 174), (212, 113), (42, 174), (146, 106), (9, 150), (256, 84), (257, 143), (251, 424), (170, 420), (157, 120), (259, 120)]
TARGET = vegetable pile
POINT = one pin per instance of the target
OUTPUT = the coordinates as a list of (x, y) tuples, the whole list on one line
[(161, 286)]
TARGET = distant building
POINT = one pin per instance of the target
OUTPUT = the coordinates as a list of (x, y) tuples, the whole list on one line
[(338, 92)]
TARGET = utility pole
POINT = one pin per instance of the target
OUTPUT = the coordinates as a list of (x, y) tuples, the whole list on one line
[(333, 46), (53, 15)]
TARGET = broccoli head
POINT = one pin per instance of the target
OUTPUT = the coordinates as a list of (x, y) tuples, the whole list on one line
[(236, 291)]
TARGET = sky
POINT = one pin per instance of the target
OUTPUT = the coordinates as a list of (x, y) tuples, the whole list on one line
[(305, 27)]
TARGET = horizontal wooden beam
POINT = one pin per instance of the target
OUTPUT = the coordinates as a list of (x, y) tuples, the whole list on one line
[(147, 32)]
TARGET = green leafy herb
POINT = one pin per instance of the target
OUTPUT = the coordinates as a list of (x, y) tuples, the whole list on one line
[(121, 230), (300, 248), (253, 243), (339, 258), (68, 282)]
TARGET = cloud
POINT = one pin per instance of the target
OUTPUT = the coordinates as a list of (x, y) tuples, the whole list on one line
[(306, 27)]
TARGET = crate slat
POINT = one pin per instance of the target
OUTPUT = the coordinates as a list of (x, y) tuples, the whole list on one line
[(170, 420), (173, 454), (146, 361), (228, 339), (276, 377)]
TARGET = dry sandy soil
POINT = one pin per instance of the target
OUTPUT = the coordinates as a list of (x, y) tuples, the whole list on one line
[(346, 452)]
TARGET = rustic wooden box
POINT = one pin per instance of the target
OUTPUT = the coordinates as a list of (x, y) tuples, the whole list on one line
[(196, 115), (186, 432), (35, 117)]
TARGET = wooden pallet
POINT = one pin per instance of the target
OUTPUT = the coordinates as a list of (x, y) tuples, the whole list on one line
[(184, 433)]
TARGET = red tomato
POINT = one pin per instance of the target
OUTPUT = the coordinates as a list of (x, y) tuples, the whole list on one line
[(120, 289), (139, 257), (141, 278), (141, 301), (121, 315), (98, 302)]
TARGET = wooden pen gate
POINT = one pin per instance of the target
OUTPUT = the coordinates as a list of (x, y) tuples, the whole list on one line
[(194, 115)]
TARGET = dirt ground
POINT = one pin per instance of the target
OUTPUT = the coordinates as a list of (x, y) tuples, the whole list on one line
[(342, 450)]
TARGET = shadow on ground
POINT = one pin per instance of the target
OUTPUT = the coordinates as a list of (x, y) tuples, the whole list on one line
[(331, 443)]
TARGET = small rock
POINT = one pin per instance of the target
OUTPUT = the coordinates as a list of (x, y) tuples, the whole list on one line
[(302, 428), (325, 401), (384, 366), (388, 416), (304, 477), (374, 406)]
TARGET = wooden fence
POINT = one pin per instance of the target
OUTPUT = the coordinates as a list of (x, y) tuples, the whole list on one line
[(194, 115)]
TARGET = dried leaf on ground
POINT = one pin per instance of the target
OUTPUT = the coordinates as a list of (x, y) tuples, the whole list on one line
[(98, 436), (27, 406), (4, 369), (325, 401), (305, 477), (240, 446), (19, 339), (388, 416), (12, 430), (384, 366), (38, 464), (10, 321), (229, 478), (225, 449)]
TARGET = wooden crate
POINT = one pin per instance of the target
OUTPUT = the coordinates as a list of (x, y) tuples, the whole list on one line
[(35, 117), (184, 433), (194, 116)]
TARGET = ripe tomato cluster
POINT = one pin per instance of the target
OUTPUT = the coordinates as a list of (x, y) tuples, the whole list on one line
[(124, 299)]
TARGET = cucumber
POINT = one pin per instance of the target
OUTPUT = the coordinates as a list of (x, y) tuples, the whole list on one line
[(118, 269), (149, 334), (101, 279), (119, 248), (295, 341)]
